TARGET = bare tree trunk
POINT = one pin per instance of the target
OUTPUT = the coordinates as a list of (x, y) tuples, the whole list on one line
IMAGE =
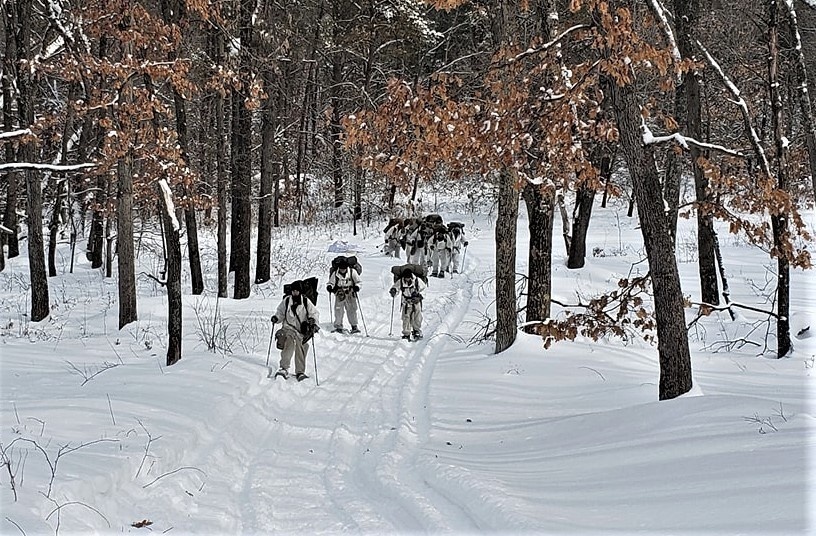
[(804, 95), (61, 191), (124, 241), (242, 181), (688, 12), (540, 214), (601, 158), (99, 231), (673, 349), (779, 221), (269, 126), (196, 277), (217, 49), (12, 178), (36, 254), (53, 229), (302, 142), (173, 263), (506, 221), (124, 221), (335, 130), (109, 217)]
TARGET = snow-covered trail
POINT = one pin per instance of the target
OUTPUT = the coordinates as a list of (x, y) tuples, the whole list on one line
[(363, 424)]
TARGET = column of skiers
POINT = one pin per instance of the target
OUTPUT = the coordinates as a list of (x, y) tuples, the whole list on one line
[(427, 242)]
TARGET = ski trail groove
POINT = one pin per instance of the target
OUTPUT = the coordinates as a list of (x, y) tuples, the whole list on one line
[(365, 424)]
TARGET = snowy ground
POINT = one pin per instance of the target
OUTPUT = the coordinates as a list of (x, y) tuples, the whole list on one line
[(434, 436)]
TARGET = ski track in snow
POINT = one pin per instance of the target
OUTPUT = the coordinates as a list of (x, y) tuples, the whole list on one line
[(365, 423)]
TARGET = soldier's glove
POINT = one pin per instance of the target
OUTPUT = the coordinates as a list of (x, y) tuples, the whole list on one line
[(329, 289), (274, 319), (466, 243), (310, 321), (393, 292), (355, 288)]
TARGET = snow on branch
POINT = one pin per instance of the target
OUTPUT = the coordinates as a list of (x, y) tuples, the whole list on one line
[(15, 133), (547, 46), (683, 141), (167, 196), (44, 167), (746, 116), (661, 14)]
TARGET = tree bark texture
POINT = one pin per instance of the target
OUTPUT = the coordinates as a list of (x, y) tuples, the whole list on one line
[(601, 158), (242, 181), (688, 12), (25, 104), (190, 223), (540, 216), (804, 95), (241, 193), (12, 178), (673, 349), (506, 221), (335, 129), (268, 176), (124, 242), (779, 222), (173, 276)]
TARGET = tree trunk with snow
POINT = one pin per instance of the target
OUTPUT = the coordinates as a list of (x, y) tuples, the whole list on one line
[(173, 275), (25, 109), (804, 95), (779, 221), (506, 221), (688, 12), (673, 348), (242, 180), (601, 159), (10, 26), (190, 223), (540, 204), (269, 175)]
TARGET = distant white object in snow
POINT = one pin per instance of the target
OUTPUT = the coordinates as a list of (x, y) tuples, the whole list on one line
[(341, 246)]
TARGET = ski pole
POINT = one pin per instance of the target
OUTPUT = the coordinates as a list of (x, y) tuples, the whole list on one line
[(464, 253), (391, 327), (362, 316), (269, 352), (314, 357), (331, 309)]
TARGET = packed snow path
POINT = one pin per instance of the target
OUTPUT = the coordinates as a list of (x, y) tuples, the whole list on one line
[(363, 423)]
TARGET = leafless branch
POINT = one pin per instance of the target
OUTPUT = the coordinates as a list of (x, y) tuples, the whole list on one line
[(174, 471)]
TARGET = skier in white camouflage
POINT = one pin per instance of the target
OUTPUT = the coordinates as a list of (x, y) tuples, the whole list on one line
[(410, 288), (298, 317), (344, 283)]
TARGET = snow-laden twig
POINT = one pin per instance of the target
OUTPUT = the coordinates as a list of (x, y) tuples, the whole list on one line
[(546, 46), (14, 133), (683, 141), (743, 106), (661, 15), (45, 167)]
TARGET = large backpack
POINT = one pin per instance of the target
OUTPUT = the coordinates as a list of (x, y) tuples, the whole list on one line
[(434, 219), (352, 262), (419, 271), (309, 289)]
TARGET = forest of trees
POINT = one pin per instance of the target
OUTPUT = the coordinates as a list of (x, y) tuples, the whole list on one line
[(252, 114)]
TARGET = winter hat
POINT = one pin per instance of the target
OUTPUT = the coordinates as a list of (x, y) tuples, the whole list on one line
[(407, 273), (296, 285), (342, 262)]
